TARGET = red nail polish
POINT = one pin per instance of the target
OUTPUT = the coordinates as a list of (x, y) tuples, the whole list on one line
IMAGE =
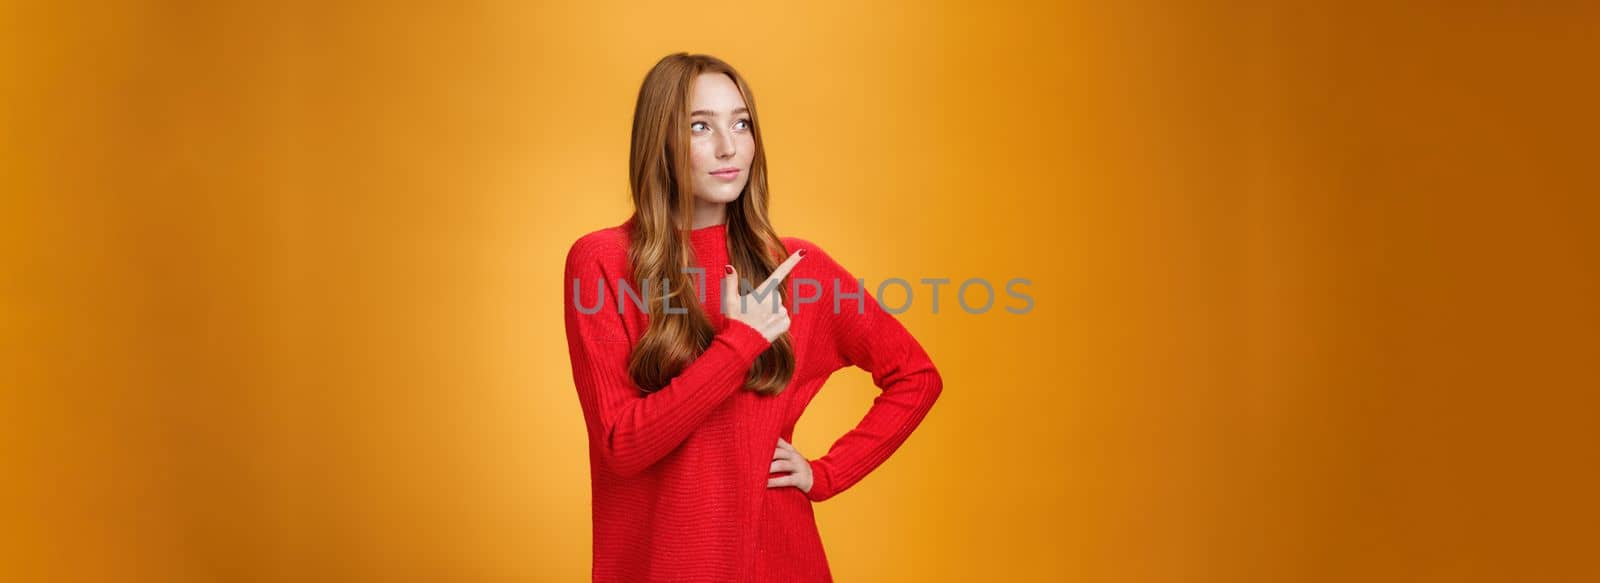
[(802, 252), (727, 269)]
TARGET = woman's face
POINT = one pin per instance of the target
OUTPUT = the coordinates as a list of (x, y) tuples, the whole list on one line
[(721, 144)]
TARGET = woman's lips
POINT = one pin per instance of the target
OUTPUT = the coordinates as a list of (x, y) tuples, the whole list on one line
[(728, 175)]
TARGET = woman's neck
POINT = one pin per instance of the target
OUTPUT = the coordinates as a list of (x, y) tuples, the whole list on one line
[(709, 213)]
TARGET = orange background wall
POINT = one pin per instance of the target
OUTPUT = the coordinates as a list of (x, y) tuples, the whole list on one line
[(1315, 282)]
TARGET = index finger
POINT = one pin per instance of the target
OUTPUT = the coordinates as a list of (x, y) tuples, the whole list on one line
[(783, 269)]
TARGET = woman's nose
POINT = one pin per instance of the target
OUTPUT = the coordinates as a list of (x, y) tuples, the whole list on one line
[(725, 146)]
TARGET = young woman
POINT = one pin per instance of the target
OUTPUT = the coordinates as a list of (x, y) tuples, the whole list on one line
[(691, 381)]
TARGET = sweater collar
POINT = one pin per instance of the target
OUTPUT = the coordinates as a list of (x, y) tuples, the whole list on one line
[(703, 236), (702, 239), (709, 235)]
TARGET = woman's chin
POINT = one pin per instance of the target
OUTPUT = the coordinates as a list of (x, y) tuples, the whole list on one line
[(723, 195)]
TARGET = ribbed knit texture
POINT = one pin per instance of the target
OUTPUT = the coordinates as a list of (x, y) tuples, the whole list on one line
[(679, 476)]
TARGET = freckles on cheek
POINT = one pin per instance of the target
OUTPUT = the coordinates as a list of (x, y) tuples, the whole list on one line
[(747, 149), (700, 156)]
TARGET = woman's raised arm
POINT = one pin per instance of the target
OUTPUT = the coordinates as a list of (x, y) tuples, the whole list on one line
[(630, 429)]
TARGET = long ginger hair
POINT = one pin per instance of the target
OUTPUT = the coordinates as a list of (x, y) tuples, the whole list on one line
[(663, 200)]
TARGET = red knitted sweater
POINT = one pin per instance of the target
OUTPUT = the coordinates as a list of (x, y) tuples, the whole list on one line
[(679, 475)]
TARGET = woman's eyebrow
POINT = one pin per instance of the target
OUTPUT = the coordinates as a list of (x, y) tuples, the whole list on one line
[(709, 112)]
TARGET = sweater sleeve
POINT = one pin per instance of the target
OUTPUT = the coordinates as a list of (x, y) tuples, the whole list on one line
[(629, 429), (867, 336)]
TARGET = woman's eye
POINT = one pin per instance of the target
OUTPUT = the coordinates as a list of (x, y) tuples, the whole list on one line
[(745, 122), (698, 126)]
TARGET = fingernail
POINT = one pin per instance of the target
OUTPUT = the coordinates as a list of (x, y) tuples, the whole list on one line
[(727, 269), (802, 252)]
